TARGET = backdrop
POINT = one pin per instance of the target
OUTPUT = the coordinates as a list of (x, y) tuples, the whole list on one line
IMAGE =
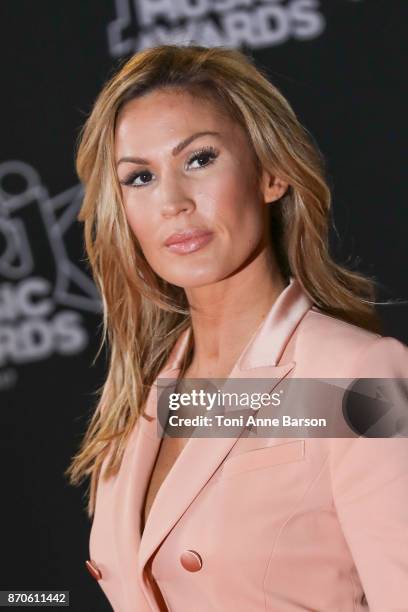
[(339, 62)]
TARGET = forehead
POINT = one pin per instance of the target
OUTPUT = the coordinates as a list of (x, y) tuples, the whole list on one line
[(163, 114), (172, 100)]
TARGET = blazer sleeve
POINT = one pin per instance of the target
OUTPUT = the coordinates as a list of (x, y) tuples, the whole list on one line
[(370, 489)]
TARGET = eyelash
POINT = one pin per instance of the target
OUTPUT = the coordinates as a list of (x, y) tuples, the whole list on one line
[(210, 151)]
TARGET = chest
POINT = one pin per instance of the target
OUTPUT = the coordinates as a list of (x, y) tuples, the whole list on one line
[(169, 450)]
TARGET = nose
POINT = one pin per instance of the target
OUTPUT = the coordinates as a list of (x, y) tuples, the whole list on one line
[(175, 198)]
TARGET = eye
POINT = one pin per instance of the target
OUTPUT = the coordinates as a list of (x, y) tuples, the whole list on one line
[(206, 154), (130, 180)]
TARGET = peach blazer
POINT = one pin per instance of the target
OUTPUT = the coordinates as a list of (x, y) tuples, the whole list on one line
[(271, 525)]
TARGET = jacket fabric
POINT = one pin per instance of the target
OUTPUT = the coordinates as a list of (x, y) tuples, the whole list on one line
[(273, 524)]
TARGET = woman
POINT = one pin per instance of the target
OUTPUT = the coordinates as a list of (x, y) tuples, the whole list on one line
[(206, 219)]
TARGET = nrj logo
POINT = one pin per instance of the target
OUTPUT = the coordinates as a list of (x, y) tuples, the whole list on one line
[(232, 23), (42, 292)]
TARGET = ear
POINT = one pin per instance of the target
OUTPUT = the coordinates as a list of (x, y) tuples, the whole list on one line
[(272, 187)]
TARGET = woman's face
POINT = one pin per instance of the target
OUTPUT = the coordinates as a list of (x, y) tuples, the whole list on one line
[(184, 166)]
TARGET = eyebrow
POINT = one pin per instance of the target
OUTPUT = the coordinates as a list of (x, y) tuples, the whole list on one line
[(177, 149)]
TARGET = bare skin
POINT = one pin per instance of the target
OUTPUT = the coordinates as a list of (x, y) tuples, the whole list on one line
[(232, 281)]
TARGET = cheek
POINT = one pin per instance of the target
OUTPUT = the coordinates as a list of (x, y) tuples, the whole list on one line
[(233, 203)]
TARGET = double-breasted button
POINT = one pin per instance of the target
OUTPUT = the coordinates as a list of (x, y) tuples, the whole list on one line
[(93, 569), (191, 560)]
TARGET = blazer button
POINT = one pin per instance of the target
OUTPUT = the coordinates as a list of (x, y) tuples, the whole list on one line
[(191, 561), (93, 569)]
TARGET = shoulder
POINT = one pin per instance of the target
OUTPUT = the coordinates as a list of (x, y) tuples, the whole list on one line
[(334, 347)]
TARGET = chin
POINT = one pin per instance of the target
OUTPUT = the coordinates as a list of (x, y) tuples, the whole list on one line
[(193, 281)]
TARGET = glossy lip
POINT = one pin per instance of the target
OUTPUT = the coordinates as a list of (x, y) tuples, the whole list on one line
[(188, 241), (184, 235)]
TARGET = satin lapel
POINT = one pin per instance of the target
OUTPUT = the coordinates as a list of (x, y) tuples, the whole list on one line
[(130, 489), (201, 457), (195, 465), (132, 480)]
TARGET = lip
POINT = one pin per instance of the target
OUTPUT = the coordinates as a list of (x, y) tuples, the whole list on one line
[(188, 241)]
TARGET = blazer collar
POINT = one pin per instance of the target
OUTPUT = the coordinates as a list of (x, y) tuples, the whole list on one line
[(270, 340)]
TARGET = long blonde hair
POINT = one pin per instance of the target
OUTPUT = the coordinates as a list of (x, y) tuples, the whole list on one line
[(143, 315)]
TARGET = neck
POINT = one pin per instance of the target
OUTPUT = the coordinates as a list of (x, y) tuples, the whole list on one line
[(226, 314)]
